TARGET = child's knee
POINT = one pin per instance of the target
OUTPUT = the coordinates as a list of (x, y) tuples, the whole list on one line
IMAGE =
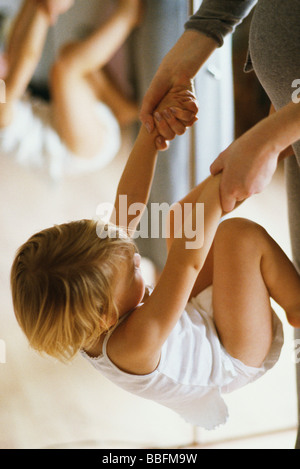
[(239, 234), (68, 51), (65, 62)]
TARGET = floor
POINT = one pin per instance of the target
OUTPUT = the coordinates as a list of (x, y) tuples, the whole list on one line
[(47, 405)]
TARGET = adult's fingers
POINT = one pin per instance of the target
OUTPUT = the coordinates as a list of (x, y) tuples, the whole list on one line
[(228, 202), (228, 199), (217, 166), (231, 195)]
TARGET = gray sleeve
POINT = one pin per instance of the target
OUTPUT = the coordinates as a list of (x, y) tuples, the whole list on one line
[(217, 18)]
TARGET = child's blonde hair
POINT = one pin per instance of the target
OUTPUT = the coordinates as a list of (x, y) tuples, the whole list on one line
[(62, 285)]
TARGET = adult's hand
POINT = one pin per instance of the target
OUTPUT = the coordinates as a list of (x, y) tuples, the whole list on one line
[(162, 83), (175, 118), (174, 115), (177, 70), (250, 162), (247, 166)]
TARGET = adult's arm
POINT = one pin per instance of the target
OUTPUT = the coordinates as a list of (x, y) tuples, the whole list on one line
[(250, 162), (217, 18), (205, 31)]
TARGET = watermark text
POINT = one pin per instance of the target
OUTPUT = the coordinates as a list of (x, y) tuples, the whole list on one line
[(179, 221)]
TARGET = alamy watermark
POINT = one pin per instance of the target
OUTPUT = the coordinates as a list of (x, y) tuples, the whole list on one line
[(2, 351), (296, 93), (156, 221)]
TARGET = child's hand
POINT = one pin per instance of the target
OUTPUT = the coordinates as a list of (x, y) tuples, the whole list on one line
[(174, 115), (56, 7)]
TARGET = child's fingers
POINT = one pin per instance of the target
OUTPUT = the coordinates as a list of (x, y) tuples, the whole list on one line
[(192, 122), (176, 125), (189, 105), (182, 114), (161, 143), (163, 126)]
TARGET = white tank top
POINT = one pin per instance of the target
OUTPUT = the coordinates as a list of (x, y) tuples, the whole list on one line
[(191, 372)]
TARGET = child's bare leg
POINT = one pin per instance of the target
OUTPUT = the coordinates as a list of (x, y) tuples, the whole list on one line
[(249, 268), (24, 59), (73, 97), (125, 110), (17, 32)]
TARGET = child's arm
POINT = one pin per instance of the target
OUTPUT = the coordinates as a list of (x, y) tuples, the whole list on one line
[(136, 181), (148, 327)]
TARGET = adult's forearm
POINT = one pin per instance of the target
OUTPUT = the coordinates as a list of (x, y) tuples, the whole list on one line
[(217, 18), (280, 130), (249, 163), (177, 69), (187, 56)]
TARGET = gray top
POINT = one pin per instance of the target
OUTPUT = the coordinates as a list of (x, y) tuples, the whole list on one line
[(217, 18)]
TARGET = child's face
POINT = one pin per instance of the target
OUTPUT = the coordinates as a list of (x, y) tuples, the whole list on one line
[(129, 285)]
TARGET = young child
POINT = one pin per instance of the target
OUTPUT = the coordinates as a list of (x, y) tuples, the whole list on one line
[(207, 328), (80, 130)]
